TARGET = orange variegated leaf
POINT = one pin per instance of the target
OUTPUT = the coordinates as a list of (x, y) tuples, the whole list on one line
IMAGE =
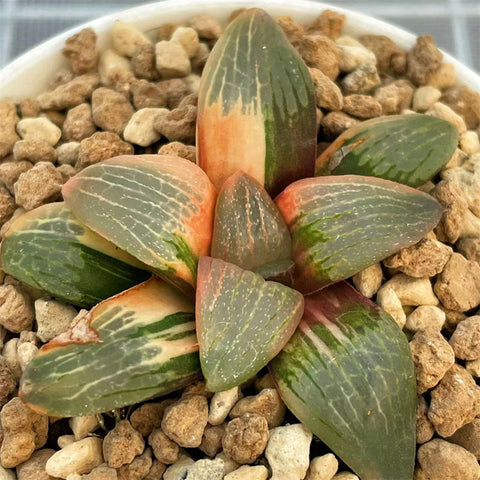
[(157, 208), (256, 106)]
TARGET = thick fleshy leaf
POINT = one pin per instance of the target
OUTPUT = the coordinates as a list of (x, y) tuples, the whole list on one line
[(248, 229), (129, 348), (409, 149), (348, 375), (157, 208), (242, 321), (256, 106), (342, 224), (49, 249)]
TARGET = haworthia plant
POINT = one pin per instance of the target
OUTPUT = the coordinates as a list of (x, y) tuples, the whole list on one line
[(49, 249), (348, 375), (409, 149), (242, 322), (129, 348), (256, 106), (157, 208), (248, 229), (342, 224)]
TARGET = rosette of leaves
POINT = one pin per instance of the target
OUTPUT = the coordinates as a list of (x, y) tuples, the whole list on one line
[(341, 364)]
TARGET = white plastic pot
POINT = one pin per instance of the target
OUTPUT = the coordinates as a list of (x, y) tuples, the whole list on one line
[(30, 74)]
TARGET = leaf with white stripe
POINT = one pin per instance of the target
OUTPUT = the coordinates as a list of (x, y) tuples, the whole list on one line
[(49, 249), (348, 375), (131, 347), (248, 229), (342, 224), (242, 322), (256, 106), (409, 149), (157, 208)]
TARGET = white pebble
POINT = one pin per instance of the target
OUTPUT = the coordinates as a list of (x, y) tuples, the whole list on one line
[(229, 465), (354, 56), (179, 469), (369, 280), (10, 353), (206, 470), (67, 153), (221, 404), (412, 291), (388, 300), (258, 472), (126, 38), (288, 452), (425, 97), (322, 468), (172, 59), (64, 440), (78, 457), (425, 316), (53, 318), (25, 353), (140, 128), (82, 426), (470, 143), (345, 476), (40, 128), (7, 474), (112, 67), (441, 110), (188, 37), (192, 82)]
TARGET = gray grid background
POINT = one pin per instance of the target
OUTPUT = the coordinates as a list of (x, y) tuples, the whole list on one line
[(455, 24)]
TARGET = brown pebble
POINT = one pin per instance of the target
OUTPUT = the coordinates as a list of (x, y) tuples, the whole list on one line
[(164, 449), (143, 62), (362, 106), (149, 416), (212, 439), (329, 23), (184, 422), (466, 103), (319, 51), (101, 146), (111, 111), (246, 438), (178, 149), (423, 59), (425, 429), (82, 51), (335, 123), (79, 123), (383, 48), (34, 151), (122, 444)]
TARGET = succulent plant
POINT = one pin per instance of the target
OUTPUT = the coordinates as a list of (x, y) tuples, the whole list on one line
[(265, 272)]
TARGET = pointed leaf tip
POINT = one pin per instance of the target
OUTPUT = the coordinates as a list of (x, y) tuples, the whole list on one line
[(348, 375), (248, 228), (256, 106), (242, 322), (342, 224)]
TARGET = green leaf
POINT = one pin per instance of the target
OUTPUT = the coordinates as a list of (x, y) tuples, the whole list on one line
[(242, 322), (342, 224), (348, 375), (158, 208), (49, 249), (256, 106), (248, 228), (409, 149), (129, 348)]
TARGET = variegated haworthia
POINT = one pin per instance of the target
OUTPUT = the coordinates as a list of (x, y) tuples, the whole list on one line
[(256, 106), (342, 224), (348, 375), (248, 229), (409, 149), (49, 249), (129, 348), (157, 208), (242, 321)]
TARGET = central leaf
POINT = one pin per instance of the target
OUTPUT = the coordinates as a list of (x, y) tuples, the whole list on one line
[(249, 230), (242, 322)]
